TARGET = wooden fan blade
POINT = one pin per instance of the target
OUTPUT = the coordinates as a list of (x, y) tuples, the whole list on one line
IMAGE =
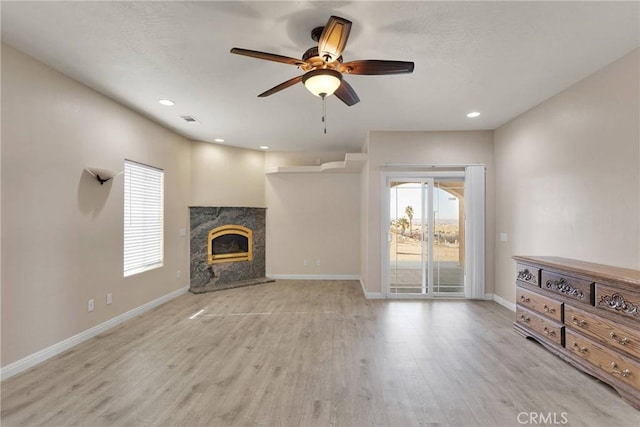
[(334, 38), (374, 67), (281, 86), (346, 94), (267, 56)]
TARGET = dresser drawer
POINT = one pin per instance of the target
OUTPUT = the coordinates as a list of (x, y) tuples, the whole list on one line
[(614, 335), (578, 289), (543, 326), (528, 274), (616, 365), (540, 303), (618, 301)]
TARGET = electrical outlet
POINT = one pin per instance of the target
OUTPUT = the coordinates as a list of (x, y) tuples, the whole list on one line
[(90, 305), (305, 262), (178, 274), (503, 237), (109, 298), (318, 262)]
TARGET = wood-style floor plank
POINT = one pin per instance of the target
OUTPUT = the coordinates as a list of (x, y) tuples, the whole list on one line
[(300, 353)]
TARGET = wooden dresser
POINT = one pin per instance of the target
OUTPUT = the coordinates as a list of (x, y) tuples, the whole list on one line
[(587, 314)]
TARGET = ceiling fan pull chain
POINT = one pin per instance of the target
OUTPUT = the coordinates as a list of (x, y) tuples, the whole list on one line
[(324, 113)]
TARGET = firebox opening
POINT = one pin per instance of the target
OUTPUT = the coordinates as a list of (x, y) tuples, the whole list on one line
[(230, 243)]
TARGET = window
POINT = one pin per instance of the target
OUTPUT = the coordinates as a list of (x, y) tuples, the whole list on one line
[(143, 217)]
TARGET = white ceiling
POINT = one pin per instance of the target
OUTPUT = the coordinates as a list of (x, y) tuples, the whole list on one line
[(499, 58)]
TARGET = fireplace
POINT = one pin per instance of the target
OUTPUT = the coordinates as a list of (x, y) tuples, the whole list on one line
[(230, 243), (227, 247)]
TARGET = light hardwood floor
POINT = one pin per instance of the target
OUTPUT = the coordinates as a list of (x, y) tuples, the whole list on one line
[(295, 353)]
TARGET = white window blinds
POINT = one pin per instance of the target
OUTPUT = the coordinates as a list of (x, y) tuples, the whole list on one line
[(143, 217)]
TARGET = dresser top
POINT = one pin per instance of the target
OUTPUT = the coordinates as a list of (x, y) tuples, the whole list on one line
[(606, 272)]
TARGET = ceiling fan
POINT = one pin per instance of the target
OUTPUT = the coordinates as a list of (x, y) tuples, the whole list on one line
[(323, 65)]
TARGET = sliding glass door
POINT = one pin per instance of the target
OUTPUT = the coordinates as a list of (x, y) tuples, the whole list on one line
[(407, 237), (425, 236), (448, 239)]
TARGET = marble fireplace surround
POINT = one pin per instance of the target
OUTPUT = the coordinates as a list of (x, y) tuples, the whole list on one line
[(207, 277)]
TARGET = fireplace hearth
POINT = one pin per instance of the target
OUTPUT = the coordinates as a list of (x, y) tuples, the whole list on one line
[(227, 247)]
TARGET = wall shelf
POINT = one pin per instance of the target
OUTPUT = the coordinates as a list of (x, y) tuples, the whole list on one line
[(352, 163)]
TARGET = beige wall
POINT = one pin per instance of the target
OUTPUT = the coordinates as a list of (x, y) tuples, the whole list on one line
[(226, 176), (567, 176), (423, 148), (312, 216), (62, 231)]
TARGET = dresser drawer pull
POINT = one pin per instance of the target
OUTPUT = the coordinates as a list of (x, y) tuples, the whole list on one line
[(624, 373), (525, 318), (577, 321), (524, 299), (621, 341), (549, 309), (549, 332), (580, 349)]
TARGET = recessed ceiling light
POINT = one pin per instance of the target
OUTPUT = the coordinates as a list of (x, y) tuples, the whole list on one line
[(473, 114), (264, 147), (219, 140), (167, 102)]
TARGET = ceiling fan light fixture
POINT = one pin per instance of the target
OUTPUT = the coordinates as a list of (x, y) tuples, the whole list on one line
[(322, 82)]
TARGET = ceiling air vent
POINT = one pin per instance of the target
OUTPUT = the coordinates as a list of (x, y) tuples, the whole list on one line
[(190, 119)]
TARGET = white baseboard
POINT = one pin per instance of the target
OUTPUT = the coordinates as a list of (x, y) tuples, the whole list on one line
[(371, 295), (47, 353), (503, 302), (374, 295), (314, 276)]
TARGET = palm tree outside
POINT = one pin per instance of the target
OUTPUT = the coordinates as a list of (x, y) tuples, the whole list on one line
[(403, 224), (409, 211)]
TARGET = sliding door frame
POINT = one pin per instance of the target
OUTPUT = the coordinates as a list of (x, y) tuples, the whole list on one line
[(385, 218), (474, 218)]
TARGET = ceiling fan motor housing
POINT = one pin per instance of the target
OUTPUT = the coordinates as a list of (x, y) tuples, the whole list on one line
[(313, 59), (312, 52)]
